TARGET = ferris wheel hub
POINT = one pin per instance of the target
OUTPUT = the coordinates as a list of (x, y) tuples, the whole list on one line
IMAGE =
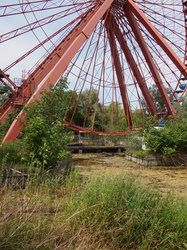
[(123, 59), (117, 3)]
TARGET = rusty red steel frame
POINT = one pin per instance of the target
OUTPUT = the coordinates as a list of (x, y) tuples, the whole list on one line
[(60, 62), (56, 63)]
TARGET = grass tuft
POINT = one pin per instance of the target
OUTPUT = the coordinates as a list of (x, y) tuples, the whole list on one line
[(102, 213)]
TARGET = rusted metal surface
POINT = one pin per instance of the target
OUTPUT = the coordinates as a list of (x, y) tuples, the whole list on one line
[(148, 57), (60, 65), (119, 71), (118, 21)]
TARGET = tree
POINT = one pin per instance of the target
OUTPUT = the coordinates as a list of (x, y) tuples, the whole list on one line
[(89, 110), (115, 117), (44, 134), (182, 110), (157, 99)]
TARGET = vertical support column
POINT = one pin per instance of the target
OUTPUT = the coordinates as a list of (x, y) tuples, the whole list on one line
[(148, 57), (119, 72), (132, 64)]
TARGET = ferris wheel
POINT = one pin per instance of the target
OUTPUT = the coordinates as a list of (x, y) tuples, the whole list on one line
[(117, 49)]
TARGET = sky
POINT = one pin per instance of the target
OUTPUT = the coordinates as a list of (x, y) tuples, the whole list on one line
[(13, 49)]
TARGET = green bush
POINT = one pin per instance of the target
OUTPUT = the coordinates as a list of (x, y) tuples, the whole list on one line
[(44, 134), (133, 142), (11, 153), (45, 144), (170, 139)]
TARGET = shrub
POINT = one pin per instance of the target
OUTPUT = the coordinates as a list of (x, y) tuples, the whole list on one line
[(168, 140), (11, 152), (44, 134), (133, 142), (172, 138)]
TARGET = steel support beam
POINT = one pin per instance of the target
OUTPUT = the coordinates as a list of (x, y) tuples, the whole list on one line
[(54, 57), (4, 83), (147, 55), (156, 35), (60, 66), (8, 79), (133, 66), (30, 84), (119, 72)]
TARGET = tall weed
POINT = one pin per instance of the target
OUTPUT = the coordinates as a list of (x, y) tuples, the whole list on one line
[(102, 213)]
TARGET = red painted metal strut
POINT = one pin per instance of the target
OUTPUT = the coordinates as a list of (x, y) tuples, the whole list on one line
[(133, 66), (8, 79), (59, 64), (140, 40), (30, 84), (159, 39), (119, 72)]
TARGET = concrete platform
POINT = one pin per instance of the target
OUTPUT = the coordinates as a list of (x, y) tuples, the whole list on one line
[(94, 149)]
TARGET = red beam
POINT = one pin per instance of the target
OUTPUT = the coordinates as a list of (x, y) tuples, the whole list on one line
[(8, 79), (132, 64), (159, 39), (119, 72), (59, 67), (147, 55)]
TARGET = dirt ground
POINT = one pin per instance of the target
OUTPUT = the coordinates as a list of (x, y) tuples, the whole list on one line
[(161, 179)]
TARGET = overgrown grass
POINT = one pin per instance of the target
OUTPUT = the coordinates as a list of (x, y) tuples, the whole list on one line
[(141, 153), (11, 152), (103, 213)]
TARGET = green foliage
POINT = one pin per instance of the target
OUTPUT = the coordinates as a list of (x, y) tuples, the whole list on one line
[(104, 213), (11, 153), (141, 153), (160, 141), (44, 134), (118, 122), (133, 142), (11, 156), (4, 93), (88, 103), (182, 110), (157, 98), (172, 138)]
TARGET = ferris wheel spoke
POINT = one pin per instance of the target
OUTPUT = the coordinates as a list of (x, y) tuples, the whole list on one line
[(37, 24), (119, 72), (36, 6), (158, 38), (113, 52), (148, 57), (134, 68)]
